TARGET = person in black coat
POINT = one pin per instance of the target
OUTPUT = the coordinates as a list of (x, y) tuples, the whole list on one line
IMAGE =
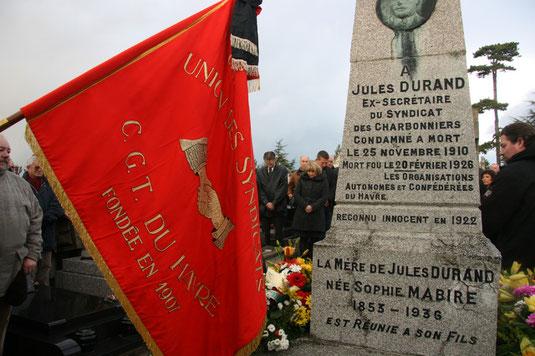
[(487, 176), (52, 210), (508, 208), (272, 182), (322, 159), (310, 195)]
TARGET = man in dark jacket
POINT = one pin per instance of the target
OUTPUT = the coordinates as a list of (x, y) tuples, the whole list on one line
[(272, 182), (52, 210), (322, 159), (508, 207)]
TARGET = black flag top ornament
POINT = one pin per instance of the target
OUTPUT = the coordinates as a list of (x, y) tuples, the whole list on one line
[(244, 40)]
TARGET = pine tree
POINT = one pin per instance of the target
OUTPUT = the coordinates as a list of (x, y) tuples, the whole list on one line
[(529, 118), (497, 54), (282, 156), (338, 150)]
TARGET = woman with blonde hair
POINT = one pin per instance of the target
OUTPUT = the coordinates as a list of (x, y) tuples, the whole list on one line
[(310, 195)]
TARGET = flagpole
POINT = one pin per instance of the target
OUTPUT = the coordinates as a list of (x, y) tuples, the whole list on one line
[(12, 120)]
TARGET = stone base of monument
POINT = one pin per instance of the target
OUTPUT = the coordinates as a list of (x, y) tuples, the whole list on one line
[(53, 321), (411, 293), (81, 274), (307, 346)]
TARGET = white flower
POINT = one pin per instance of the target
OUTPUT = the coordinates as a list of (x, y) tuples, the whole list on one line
[(282, 333), (270, 346), (284, 344), (519, 307), (280, 306), (299, 302), (276, 342), (295, 268), (265, 334), (271, 328), (285, 273)]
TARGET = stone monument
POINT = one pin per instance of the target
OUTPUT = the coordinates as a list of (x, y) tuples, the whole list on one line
[(405, 267)]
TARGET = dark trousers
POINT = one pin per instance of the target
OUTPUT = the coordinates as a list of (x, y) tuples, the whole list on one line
[(307, 240), (278, 221), (328, 218), (5, 313)]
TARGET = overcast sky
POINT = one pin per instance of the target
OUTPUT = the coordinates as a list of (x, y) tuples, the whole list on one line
[(304, 59)]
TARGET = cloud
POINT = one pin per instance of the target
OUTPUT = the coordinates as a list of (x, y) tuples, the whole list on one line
[(304, 57)]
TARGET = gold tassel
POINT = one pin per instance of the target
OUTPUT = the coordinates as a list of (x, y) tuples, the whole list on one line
[(253, 85), (88, 242)]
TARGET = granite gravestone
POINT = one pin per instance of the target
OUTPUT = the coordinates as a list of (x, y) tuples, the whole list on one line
[(405, 267)]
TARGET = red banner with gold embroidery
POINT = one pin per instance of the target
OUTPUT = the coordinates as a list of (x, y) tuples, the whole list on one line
[(150, 153)]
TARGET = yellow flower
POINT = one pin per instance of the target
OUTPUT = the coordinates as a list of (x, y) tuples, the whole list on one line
[(308, 301), (531, 303), (292, 292), (518, 280), (288, 252), (301, 316), (306, 267), (515, 267), (527, 347), (505, 296), (510, 315), (503, 280), (300, 260)]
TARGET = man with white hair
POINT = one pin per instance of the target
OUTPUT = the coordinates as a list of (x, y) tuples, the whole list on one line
[(52, 210), (303, 160), (20, 231)]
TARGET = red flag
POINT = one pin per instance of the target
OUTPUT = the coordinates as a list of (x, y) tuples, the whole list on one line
[(151, 155)]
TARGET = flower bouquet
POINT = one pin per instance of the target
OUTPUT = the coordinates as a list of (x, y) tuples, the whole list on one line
[(288, 299), (516, 312)]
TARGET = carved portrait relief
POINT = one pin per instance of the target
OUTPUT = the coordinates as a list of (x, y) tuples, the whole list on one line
[(404, 15)]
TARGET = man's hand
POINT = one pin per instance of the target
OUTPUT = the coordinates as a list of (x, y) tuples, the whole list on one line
[(308, 209), (28, 265), (270, 206)]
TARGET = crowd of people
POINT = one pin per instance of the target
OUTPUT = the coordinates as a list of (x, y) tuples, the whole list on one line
[(507, 197), (307, 195)]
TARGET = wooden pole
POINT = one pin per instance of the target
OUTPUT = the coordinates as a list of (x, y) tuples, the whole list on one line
[(12, 120)]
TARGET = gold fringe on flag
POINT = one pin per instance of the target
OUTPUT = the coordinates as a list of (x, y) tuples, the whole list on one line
[(88, 242), (243, 44), (253, 345)]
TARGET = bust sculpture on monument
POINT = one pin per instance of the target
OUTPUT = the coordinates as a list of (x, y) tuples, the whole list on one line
[(404, 14)]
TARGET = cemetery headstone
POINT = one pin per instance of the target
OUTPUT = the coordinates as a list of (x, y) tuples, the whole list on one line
[(405, 267)]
